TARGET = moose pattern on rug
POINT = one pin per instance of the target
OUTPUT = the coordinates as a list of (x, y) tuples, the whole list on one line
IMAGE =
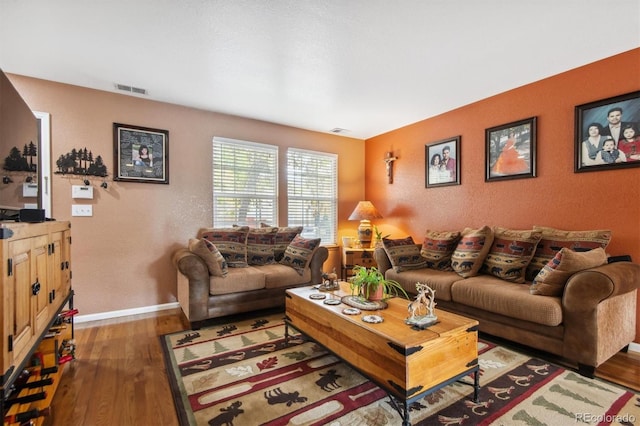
[(244, 374)]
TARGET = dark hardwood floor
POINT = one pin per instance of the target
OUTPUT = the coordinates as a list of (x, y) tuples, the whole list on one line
[(119, 376)]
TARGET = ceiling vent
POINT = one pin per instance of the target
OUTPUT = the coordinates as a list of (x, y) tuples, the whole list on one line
[(131, 89), (339, 130)]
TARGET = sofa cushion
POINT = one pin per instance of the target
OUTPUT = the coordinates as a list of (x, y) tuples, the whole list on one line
[(495, 295), (232, 243), (260, 245), (437, 248), (551, 280), (471, 250), (510, 253), (554, 239), (279, 276), (283, 238), (440, 281), (404, 254), (211, 256), (299, 253), (238, 280)]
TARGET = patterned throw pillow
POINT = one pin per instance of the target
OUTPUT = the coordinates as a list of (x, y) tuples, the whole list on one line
[(299, 252), (212, 257), (554, 239), (260, 245), (438, 247), (511, 253), (551, 280), (471, 250), (404, 254), (284, 236), (232, 243)]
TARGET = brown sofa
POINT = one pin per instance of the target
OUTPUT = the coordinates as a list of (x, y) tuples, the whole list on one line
[(203, 296), (591, 320)]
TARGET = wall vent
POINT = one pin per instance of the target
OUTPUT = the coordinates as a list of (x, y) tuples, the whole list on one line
[(131, 89)]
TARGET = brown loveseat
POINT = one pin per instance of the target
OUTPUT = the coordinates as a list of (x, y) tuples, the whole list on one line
[(234, 270), (584, 315)]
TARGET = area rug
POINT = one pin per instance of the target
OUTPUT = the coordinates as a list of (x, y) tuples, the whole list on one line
[(242, 373)]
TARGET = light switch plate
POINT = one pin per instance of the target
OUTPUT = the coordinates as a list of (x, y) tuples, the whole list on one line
[(81, 210), (82, 191)]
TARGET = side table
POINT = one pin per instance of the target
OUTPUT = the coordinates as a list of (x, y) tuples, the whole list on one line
[(356, 257)]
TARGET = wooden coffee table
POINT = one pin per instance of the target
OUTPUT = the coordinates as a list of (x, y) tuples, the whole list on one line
[(407, 363)]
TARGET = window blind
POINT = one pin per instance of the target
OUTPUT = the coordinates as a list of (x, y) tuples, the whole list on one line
[(312, 181), (245, 183)]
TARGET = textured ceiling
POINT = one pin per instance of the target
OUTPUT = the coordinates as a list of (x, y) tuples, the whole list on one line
[(368, 66)]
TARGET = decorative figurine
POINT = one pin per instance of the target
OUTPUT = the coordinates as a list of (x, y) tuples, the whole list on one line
[(329, 281), (421, 309)]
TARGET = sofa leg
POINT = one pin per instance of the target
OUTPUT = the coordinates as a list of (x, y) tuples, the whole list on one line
[(625, 349), (586, 370), (197, 325)]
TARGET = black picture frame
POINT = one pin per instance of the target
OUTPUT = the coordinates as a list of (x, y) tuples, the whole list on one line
[(130, 163), (510, 150), (593, 117), (443, 175)]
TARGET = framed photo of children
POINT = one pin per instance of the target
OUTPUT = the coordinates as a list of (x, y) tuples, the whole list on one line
[(510, 150), (607, 134), (141, 154), (442, 163)]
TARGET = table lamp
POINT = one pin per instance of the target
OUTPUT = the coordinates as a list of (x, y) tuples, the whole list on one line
[(364, 212)]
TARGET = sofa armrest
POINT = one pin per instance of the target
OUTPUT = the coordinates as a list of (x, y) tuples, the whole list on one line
[(382, 260), (585, 289), (599, 313), (193, 287), (317, 260)]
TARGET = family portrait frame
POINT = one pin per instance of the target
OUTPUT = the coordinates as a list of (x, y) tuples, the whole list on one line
[(607, 133), (442, 163), (510, 150), (141, 154)]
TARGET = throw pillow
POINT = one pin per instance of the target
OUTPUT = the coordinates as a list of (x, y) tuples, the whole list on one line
[(299, 252), (283, 238), (260, 245), (232, 243), (471, 250), (554, 239), (438, 247), (404, 254), (510, 253), (212, 257), (551, 280)]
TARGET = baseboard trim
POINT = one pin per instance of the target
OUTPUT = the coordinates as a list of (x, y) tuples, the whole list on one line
[(125, 312), (634, 347)]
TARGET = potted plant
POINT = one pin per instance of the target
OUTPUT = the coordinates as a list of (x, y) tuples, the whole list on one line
[(379, 236), (370, 284)]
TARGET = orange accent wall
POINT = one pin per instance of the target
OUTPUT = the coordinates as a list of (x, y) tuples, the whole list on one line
[(557, 197)]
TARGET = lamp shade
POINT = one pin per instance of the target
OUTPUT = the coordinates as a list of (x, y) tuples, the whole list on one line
[(365, 210)]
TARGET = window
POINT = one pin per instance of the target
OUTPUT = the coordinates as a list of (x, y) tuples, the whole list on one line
[(312, 193), (245, 183)]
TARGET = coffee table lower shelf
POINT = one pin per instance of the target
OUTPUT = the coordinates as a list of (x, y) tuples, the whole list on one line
[(400, 404)]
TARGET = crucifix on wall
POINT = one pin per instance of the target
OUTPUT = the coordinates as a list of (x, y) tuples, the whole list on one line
[(389, 159)]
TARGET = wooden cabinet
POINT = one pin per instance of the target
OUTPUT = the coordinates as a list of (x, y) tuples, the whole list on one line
[(36, 285), (356, 256)]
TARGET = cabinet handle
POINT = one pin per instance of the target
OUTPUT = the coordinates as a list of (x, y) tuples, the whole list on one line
[(35, 288)]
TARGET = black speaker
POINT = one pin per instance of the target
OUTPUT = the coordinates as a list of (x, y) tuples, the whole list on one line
[(31, 215)]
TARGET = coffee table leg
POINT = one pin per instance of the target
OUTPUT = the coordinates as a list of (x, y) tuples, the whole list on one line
[(286, 334), (476, 385)]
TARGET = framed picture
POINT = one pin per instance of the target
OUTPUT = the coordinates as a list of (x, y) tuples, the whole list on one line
[(141, 154), (607, 134), (510, 150), (442, 163)]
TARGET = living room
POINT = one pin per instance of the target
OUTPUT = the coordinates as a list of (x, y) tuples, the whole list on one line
[(122, 254)]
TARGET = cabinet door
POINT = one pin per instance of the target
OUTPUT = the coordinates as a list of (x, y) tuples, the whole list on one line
[(40, 286), (60, 264), (20, 278)]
